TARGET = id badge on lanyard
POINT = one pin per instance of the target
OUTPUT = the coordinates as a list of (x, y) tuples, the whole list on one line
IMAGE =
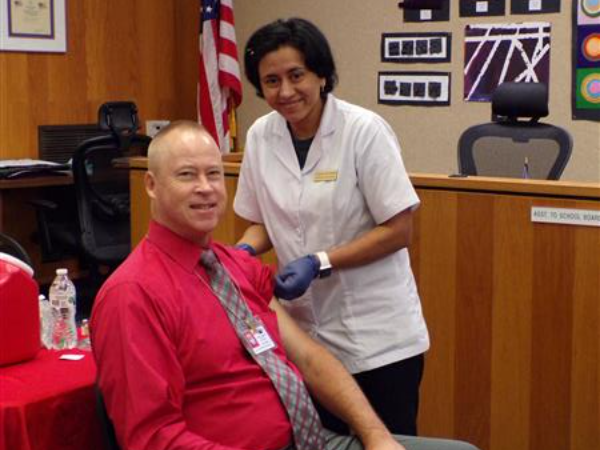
[(256, 337)]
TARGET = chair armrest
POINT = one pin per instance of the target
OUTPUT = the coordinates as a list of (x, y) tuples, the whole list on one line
[(43, 205)]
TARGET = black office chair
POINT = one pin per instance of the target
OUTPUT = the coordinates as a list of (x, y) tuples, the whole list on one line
[(100, 232), (102, 190), (11, 247), (505, 146), (110, 438)]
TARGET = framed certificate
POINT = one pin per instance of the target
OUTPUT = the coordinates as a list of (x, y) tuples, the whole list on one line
[(33, 26)]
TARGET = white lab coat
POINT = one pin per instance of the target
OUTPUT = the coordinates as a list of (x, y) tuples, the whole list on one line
[(368, 316)]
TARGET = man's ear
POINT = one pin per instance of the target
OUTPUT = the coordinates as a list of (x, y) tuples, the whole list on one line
[(150, 184)]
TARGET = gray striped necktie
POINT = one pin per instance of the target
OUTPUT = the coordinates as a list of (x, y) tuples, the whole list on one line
[(308, 431)]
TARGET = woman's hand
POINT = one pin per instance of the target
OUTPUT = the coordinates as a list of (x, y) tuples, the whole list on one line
[(295, 278)]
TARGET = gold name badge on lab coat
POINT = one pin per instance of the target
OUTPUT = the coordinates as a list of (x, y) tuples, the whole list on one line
[(326, 176)]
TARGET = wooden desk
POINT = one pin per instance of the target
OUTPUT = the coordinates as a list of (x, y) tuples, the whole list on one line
[(17, 218), (513, 308)]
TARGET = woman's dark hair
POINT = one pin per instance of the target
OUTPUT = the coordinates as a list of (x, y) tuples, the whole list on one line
[(298, 33)]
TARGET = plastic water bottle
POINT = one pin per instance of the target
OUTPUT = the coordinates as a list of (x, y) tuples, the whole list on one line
[(45, 322), (62, 301)]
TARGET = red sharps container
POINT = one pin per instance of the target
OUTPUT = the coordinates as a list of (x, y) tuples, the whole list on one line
[(19, 311)]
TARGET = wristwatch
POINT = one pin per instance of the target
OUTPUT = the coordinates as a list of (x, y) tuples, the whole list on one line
[(325, 265)]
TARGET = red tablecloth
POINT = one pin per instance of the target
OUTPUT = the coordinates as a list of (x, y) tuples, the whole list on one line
[(49, 404)]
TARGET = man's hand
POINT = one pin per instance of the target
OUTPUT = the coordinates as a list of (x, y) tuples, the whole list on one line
[(380, 440), (295, 278)]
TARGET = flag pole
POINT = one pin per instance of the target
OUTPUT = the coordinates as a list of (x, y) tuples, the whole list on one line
[(233, 137)]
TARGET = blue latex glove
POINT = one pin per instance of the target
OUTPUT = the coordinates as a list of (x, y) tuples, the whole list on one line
[(247, 248), (295, 278)]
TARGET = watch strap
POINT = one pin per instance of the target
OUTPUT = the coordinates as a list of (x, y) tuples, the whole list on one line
[(325, 264)]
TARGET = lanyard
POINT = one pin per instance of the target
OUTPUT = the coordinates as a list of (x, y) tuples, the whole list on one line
[(250, 321)]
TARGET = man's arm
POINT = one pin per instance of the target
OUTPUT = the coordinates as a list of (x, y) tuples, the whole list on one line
[(139, 373), (332, 385)]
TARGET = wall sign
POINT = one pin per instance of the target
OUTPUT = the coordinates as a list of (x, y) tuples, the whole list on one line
[(414, 88), (566, 216), (33, 26), (475, 8), (440, 13), (534, 6), (416, 47)]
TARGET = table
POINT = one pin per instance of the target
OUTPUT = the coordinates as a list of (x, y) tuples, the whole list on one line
[(49, 404)]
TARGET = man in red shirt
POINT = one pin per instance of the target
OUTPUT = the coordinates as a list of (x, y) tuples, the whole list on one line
[(173, 371)]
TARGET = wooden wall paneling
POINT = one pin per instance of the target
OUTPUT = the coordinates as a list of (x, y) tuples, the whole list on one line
[(64, 99), (511, 324), (143, 51), (140, 206), (520, 337), (585, 365), (187, 20), (474, 285), (434, 251), (114, 54), (14, 104), (230, 227), (552, 330)]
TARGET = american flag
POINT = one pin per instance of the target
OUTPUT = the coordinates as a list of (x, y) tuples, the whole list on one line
[(219, 86)]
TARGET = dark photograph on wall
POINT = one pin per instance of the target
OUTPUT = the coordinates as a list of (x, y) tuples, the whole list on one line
[(426, 10), (416, 47), (476, 8), (499, 52), (585, 98), (414, 88), (535, 6)]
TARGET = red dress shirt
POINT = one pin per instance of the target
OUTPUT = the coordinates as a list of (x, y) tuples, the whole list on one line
[(173, 372)]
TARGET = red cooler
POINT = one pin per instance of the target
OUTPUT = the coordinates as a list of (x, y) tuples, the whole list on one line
[(19, 311)]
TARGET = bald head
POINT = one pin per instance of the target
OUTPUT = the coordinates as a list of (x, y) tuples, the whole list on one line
[(176, 134), (185, 181)]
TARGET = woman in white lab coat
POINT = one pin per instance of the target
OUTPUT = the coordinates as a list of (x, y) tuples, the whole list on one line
[(323, 182)]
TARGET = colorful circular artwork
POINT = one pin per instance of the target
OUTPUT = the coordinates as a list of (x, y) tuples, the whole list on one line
[(590, 88), (591, 7), (591, 47)]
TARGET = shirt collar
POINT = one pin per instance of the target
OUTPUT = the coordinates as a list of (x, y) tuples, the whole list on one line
[(182, 251)]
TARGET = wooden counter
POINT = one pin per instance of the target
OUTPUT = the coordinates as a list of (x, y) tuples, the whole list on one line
[(513, 308)]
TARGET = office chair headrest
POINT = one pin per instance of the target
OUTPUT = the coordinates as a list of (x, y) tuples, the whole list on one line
[(513, 100), (118, 117)]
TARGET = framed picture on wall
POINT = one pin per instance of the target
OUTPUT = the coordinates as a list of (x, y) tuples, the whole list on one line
[(415, 47), (33, 26)]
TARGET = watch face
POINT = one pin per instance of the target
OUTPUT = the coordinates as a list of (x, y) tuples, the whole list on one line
[(323, 273)]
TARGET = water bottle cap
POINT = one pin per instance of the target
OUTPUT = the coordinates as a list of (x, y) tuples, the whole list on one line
[(62, 271)]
